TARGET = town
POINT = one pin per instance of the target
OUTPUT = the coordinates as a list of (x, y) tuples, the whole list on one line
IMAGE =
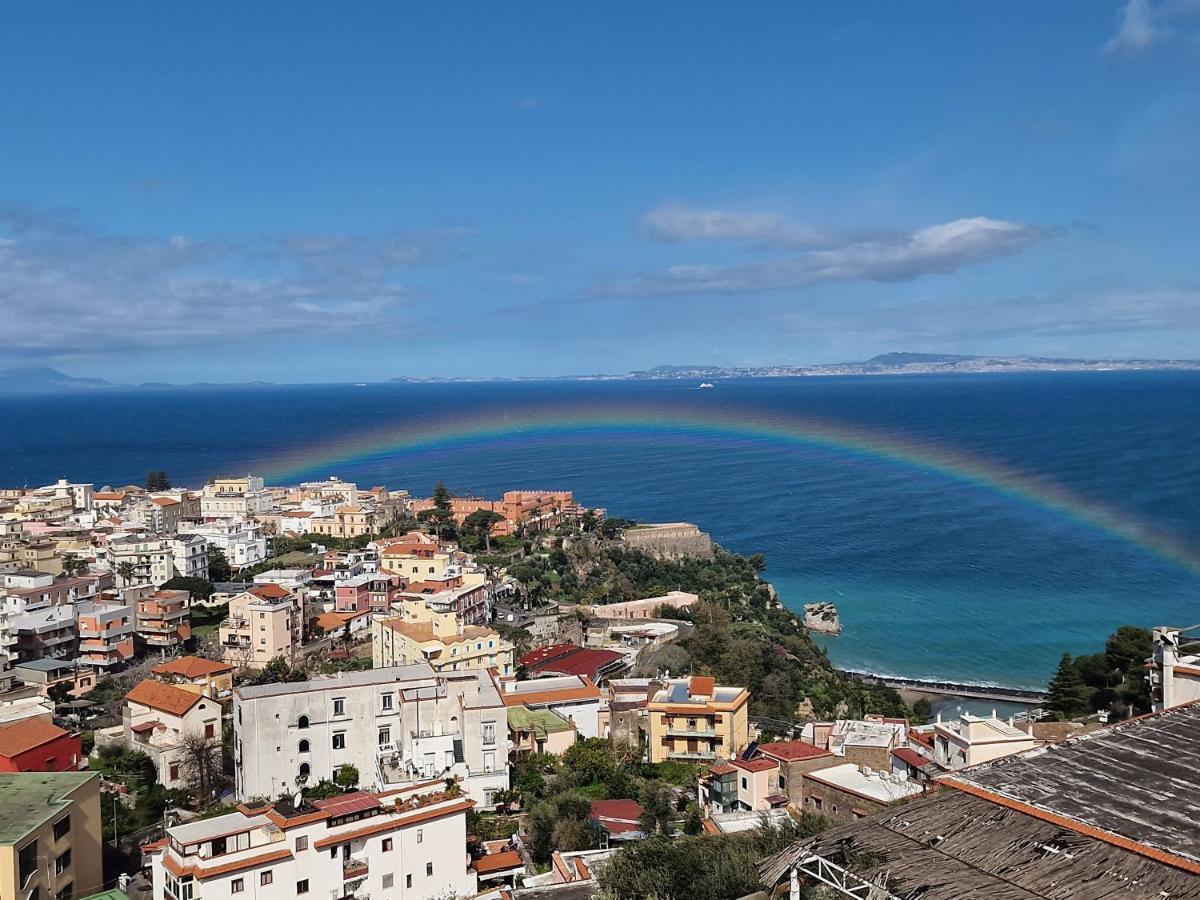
[(354, 693)]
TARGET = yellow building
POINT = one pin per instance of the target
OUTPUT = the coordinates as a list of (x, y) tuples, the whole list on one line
[(695, 720), (421, 635), (263, 623), (49, 835)]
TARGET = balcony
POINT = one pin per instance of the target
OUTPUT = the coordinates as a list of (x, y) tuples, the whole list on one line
[(353, 869), (700, 755), (708, 733)]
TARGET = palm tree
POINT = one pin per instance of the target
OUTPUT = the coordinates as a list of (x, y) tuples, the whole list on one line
[(126, 570)]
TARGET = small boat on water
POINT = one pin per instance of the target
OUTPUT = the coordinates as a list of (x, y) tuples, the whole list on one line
[(705, 384)]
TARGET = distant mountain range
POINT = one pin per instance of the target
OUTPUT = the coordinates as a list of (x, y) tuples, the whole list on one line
[(44, 380)]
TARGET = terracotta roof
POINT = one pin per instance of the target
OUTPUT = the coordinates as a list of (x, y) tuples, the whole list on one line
[(577, 661), (617, 816), (702, 686), (269, 591), (164, 501), (157, 695), (331, 620), (912, 757), (721, 768), (498, 862), (792, 750), (586, 691), (297, 514), (191, 667), (26, 734), (419, 631), (108, 495), (344, 805), (758, 764), (143, 727)]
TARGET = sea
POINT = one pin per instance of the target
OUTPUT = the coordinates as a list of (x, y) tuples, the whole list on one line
[(968, 528)]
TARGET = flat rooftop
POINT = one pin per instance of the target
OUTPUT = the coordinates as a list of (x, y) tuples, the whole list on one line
[(205, 829), (386, 675), (30, 799), (874, 786)]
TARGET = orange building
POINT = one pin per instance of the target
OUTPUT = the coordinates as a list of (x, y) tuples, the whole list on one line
[(536, 510), (164, 620)]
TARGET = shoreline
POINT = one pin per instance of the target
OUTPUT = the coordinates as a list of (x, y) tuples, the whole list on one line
[(915, 688)]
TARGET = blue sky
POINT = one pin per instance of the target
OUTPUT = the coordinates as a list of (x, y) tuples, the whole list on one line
[(328, 191)]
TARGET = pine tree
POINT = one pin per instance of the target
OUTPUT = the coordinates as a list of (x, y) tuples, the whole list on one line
[(442, 497), (1067, 694)]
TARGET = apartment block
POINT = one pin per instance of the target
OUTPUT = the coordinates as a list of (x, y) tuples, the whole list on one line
[(164, 620), (422, 635), (49, 835), (396, 725), (105, 633), (400, 845), (694, 719), (263, 623)]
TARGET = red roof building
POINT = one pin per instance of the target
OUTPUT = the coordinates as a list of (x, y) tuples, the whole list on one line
[(36, 745), (618, 817), (568, 659)]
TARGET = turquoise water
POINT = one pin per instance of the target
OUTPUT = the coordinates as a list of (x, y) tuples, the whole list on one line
[(934, 576)]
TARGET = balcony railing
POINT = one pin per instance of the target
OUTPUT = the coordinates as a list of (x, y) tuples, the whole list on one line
[(354, 868), (692, 732), (672, 754)]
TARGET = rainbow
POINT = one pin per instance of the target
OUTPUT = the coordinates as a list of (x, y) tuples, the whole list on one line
[(601, 422)]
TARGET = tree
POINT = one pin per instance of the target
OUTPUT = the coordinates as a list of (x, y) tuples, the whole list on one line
[(198, 588), (200, 764), (1067, 694), (276, 671), (346, 777), (658, 812), (74, 565), (439, 521), (481, 522), (922, 711), (126, 570), (218, 565), (442, 497), (157, 480), (59, 692)]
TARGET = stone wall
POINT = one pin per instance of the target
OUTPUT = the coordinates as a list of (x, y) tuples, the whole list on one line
[(674, 540)]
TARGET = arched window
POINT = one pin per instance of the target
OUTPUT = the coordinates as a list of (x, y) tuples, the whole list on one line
[(304, 770), (304, 746), (302, 722)]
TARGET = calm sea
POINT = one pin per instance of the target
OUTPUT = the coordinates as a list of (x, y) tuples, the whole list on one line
[(934, 576)]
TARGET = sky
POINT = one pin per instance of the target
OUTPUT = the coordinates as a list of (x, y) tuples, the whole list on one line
[(302, 192)]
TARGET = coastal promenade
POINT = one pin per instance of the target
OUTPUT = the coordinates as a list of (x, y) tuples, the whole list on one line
[(954, 689)]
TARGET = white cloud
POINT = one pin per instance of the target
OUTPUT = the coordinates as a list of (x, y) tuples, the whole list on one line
[(936, 249), (1144, 23), (67, 290), (674, 223)]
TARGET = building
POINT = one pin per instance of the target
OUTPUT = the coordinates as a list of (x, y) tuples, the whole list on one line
[(263, 623), (645, 609), (351, 520), (105, 634), (620, 820), (794, 759), (49, 835), (741, 785), (145, 560), (205, 677), (539, 731), (235, 498), (35, 745), (1173, 672), (439, 639), (866, 742), (669, 540), (568, 659), (977, 739), (403, 845), (49, 632), (164, 513), (624, 718), (164, 621), (242, 542), (847, 792), (464, 595), (530, 511), (693, 719), (573, 698), (395, 725), (47, 672), (1103, 815), (158, 717)]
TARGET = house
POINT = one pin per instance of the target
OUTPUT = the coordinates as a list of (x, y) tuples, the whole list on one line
[(396, 725), (158, 717), (50, 837), (620, 820), (645, 609), (624, 718), (694, 719), (794, 758), (402, 845), (205, 677), (848, 792), (47, 672), (497, 861), (1104, 814), (569, 659), (539, 731), (866, 742), (263, 623), (242, 542), (164, 621), (977, 739), (572, 697), (1174, 673), (35, 745), (351, 520), (105, 633), (422, 635), (345, 624), (741, 785)]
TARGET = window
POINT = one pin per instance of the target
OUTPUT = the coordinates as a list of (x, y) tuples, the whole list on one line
[(301, 843), (339, 740), (489, 761), (302, 886), (420, 836), (428, 869), (385, 736), (237, 886), (62, 862), (305, 770), (339, 706), (385, 701), (745, 783), (265, 878), (174, 772), (489, 732), (387, 845), (303, 746), (408, 880), (301, 722), (209, 730), (387, 882), (62, 827)]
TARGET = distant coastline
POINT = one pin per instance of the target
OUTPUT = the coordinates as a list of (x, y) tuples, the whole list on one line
[(42, 380)]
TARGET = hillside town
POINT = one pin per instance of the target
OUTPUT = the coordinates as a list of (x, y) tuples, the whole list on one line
[(354, 693)]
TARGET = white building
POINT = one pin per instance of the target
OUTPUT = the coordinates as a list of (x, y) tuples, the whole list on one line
[(395, 725), (403, 845), (242, 542), (235, 498), (573, 697), (1174, 674), (977, 739), (155, 561)]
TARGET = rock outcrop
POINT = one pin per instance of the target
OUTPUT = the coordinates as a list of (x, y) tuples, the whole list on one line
[(822, 618)]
